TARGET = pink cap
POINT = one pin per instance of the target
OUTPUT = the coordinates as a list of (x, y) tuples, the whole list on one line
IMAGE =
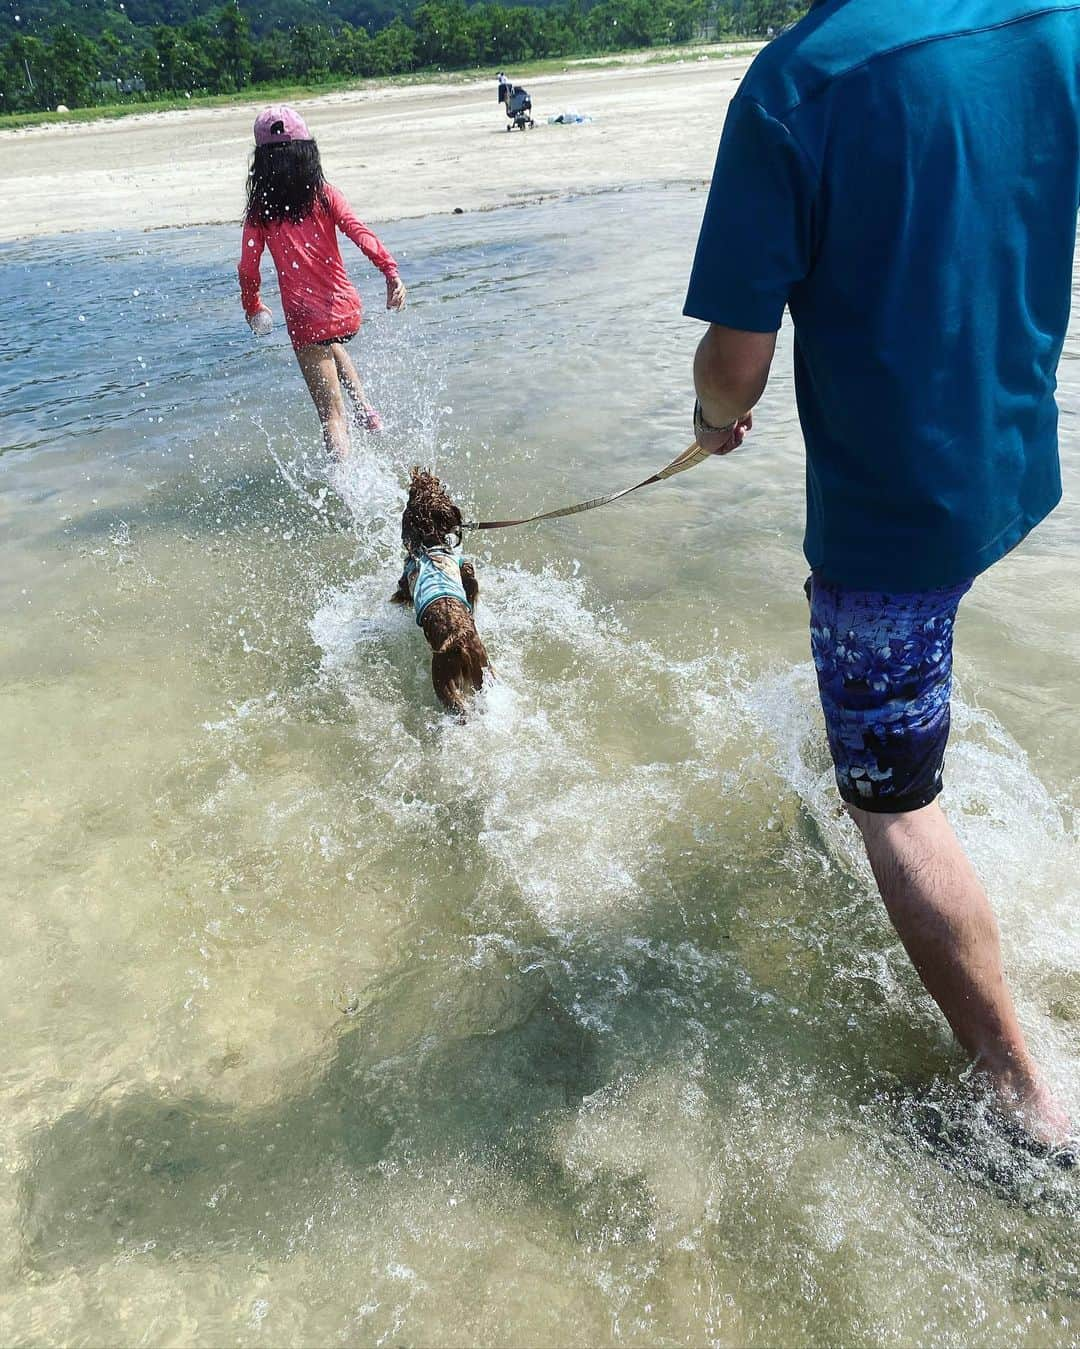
[(279, 124)]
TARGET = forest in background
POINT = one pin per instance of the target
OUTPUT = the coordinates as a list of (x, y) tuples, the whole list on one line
[(59, 52)]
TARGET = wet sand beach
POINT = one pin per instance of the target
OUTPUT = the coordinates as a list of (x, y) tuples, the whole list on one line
[(396, 150)]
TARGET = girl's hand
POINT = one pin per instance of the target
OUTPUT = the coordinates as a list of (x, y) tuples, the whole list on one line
[(261, 322), (395, 292)]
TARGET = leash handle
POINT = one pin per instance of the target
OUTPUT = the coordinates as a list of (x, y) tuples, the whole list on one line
[(690, 458)]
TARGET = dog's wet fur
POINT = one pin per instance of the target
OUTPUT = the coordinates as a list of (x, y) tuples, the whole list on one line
[(458, 659)]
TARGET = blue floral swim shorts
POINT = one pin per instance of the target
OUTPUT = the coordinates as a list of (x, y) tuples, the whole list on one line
[(884, 670)]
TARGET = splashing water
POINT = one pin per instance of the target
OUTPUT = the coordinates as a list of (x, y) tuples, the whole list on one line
[(333, 1020)]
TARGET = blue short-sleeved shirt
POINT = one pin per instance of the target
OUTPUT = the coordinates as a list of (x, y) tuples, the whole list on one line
[(905, 175)]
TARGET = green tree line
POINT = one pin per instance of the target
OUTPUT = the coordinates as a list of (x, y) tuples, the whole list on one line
[(220, 53)]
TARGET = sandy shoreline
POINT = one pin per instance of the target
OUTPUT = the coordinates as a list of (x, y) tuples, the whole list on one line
[(395, 150)]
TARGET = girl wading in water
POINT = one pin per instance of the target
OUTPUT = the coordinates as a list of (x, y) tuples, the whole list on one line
[(296, 213)]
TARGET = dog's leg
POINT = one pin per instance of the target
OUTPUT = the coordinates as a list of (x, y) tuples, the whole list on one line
[(403, 593), (470, 583), (476, 656), (476, 662)]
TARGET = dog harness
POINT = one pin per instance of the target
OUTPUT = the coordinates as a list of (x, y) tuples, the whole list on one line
[(434, 574)]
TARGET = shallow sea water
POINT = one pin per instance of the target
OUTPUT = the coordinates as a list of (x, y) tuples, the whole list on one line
[(331, 1021)]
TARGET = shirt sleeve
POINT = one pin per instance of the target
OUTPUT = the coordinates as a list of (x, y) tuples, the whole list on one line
[(251, 250), (756, 237), (366, 240)]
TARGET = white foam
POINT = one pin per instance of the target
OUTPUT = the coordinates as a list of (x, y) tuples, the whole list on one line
[(573, 830), (1025, 851)]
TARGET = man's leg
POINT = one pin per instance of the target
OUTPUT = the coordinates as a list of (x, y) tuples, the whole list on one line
[(884, 667), (942, 916)]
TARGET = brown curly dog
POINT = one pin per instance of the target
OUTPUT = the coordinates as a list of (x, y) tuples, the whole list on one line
[(443, 590)]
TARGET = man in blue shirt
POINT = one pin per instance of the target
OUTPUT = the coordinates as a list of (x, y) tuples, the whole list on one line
[(905, 178)]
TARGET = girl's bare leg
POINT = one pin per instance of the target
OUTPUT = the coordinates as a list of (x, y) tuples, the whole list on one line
[(319, 368), (348, 374), (365, 418)]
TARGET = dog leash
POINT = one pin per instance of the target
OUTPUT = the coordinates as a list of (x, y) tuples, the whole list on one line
[(689, 458)]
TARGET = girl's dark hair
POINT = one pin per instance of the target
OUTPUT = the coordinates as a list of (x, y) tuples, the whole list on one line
[(284, 182)]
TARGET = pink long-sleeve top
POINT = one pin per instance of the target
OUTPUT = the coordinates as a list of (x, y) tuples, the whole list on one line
[(319, 300)]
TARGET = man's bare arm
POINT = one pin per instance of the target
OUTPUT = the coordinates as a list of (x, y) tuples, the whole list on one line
[(731, 370)]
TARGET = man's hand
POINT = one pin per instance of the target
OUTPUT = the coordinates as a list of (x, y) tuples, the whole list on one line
[(724, 439), (261, 322), (723, 443), (395, 292)]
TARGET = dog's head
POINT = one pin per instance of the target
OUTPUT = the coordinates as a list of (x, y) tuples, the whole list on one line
[(430, 517)]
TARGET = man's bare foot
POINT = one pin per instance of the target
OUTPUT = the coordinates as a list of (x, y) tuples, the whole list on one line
[(1026, 1105)]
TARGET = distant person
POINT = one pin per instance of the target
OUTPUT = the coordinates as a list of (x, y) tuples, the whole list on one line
[(906, 179), (294, 212)]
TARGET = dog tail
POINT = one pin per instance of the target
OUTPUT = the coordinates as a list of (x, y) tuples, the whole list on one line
[(448, 678), (457, 670)]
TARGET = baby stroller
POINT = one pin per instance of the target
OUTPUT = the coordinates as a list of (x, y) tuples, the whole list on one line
[(518, 105)]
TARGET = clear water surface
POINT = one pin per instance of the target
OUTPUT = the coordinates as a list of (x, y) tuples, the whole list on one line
[(329, 1021)]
